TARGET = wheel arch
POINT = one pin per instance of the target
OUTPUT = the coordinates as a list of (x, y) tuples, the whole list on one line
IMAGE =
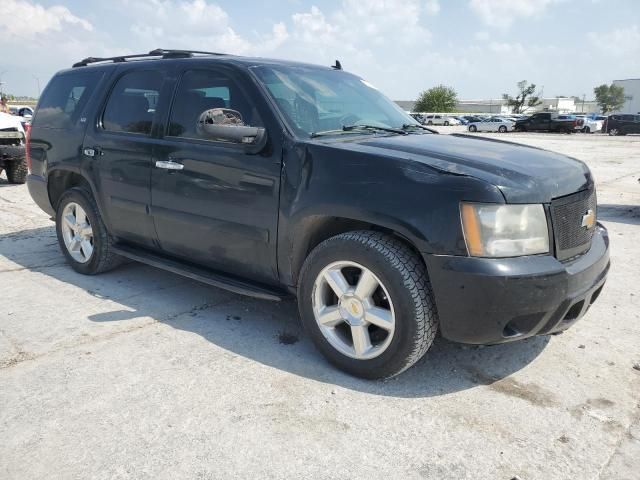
[(314, 229)]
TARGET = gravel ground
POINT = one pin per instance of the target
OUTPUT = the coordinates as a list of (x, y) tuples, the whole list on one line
[(140, 374)]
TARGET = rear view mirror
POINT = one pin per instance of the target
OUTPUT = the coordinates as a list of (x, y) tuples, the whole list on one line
[(226, 125)]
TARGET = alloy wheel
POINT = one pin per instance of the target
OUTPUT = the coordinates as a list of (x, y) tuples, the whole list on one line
[(77, 232), (353, 310)]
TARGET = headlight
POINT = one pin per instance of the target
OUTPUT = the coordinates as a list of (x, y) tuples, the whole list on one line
[(492, 230)]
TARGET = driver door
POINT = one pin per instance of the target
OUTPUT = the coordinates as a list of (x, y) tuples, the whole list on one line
[(213, 203)]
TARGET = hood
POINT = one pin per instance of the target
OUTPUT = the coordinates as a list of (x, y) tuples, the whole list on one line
[(10, 121), (523, 174)]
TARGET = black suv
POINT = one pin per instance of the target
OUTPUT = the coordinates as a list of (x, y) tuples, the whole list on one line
[(621, 124), (272, 178)]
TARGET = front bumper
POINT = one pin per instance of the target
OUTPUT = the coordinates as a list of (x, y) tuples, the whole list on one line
[(487, 301), (37, 186)]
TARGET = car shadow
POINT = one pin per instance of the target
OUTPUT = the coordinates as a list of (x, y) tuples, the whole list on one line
[(629, 214), (267, 332)]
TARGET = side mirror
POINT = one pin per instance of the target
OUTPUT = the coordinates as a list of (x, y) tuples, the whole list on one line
[(226, 125)]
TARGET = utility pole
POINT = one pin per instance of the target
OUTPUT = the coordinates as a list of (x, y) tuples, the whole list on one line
[(38, 83), (1, 82), (583, 95)]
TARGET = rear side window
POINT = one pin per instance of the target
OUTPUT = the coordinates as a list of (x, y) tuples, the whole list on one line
[(132, 103), (65, 98)]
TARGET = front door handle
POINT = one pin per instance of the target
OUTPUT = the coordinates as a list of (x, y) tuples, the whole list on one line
[(92, 152), (169, 165)]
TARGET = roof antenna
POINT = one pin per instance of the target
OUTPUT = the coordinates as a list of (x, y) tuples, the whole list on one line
[(337, 66)]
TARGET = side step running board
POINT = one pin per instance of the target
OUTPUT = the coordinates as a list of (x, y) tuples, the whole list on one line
[(200, 274)]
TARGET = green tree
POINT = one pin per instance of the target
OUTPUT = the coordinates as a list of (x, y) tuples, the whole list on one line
[(437, 99), (610, 97), (525, 99)]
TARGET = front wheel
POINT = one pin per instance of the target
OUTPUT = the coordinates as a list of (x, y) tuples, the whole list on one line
[(473, 128), (613, 132), (17, 171), (502, 129), (366, 301)]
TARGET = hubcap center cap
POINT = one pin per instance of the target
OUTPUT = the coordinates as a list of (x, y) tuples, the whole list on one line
[(352, 310)]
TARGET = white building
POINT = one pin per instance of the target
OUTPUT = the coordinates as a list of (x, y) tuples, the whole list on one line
[(632, 89), (557, 104), (497, 106)]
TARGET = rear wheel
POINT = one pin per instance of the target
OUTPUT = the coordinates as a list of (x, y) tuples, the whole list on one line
[(429, 122), (473, 128), (502, 129), (613, 132), (366, 301), (82, 236), (16, 171), (586, 130), (446, 123)]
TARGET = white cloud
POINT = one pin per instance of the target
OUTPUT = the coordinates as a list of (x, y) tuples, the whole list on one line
[(432, 7), (184, 24), (620, 42), (502, 13), (24, 19), (482, 36)]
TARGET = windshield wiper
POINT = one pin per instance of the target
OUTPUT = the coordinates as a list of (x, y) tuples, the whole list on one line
[(409, 126), (348, 128), (358, 128)]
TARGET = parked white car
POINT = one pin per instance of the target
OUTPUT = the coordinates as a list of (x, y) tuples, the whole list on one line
[(494, 124), (440, 120), (592, 125)]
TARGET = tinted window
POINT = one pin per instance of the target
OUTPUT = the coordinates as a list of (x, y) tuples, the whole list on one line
[(65, 97), (202, 90), (132, 102)]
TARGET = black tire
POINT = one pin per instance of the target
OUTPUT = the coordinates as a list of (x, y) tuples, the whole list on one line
[(586, 130), (405, 277), (446, 123), (473, 128), (502, 129), (613, 132), (429, 122), (103, 257), (16, 171)]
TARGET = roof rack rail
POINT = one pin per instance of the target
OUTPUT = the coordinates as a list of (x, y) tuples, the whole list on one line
[(158, 52)]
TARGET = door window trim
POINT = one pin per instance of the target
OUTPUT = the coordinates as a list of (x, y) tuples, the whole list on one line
[(201, 141)]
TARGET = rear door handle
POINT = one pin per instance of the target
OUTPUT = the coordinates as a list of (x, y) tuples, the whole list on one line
[(169, 165)]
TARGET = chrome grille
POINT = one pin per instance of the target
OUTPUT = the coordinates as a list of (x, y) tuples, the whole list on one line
[(571, 238)]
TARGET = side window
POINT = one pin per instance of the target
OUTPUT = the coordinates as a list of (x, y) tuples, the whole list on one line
[(202, 90), (132, 102), (65, 97)]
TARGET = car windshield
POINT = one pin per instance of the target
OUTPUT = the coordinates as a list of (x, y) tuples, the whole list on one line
[(316, 100)]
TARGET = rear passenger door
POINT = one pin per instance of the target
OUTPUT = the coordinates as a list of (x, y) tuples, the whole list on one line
[(120, 145), (217, 205)]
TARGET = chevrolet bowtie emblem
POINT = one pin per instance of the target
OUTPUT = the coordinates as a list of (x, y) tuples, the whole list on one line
[(589, 220)]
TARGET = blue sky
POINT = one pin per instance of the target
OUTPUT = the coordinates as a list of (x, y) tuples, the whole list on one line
[(479, 47)]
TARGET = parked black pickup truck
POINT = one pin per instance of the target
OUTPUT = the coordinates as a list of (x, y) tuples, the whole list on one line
[(273, 179), (549, 122)]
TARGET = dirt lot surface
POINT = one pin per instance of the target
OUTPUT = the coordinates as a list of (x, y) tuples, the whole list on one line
[(143, 374)]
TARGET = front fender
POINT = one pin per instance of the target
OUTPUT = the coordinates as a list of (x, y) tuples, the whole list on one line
[(400, 195)]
